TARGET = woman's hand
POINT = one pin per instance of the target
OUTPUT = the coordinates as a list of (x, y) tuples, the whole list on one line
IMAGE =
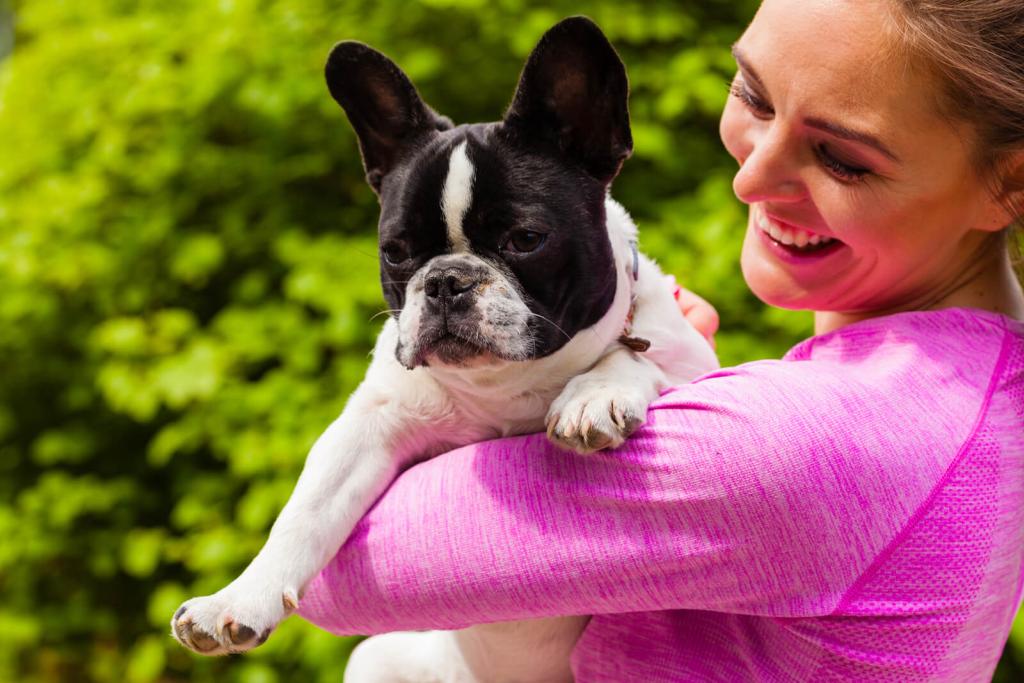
[(699, 313)]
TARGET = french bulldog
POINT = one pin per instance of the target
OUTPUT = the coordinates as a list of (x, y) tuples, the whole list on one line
[(520, 303)]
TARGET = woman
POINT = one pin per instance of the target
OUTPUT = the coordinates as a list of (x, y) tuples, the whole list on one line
[(854, 511)]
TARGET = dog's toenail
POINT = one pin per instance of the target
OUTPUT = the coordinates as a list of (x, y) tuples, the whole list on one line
[(181, 610), (223, 622)]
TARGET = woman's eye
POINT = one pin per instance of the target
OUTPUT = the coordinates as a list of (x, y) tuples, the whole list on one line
[(753, 102), (394, 253), (840, 169), (524, 241)]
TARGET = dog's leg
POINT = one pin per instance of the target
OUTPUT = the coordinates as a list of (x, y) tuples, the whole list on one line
[(602, 407), (528, 651), (344, 473), (348, 467), (408, 657)]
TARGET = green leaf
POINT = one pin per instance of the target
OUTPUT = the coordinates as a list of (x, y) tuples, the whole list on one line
[(146, 661)]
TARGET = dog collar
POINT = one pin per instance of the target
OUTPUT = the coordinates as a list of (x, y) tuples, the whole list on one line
[(632, 343)]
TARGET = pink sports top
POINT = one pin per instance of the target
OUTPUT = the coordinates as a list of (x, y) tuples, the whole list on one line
[(854, 512)]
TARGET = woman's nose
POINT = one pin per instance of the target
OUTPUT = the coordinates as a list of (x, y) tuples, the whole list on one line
[(770, 171)]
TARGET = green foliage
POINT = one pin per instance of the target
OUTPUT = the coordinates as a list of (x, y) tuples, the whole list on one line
[(188, 282)]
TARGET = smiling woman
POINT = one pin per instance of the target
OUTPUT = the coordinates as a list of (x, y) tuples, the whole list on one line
[(865, 197)]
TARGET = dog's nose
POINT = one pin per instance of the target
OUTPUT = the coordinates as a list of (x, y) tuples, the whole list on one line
[(449, 284)]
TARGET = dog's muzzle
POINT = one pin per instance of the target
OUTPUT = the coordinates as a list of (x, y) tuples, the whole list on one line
[(460, 308)]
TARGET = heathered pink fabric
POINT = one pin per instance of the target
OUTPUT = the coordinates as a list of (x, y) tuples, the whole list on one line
[(853, 512)]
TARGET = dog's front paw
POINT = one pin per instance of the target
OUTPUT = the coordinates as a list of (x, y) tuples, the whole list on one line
[(235, 619), (593, 413)]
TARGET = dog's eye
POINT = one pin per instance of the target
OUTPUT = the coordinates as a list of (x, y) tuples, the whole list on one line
[(394, 253), (524, 241)]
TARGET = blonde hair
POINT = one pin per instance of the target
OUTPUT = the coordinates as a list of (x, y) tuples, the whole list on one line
[(976, 48)]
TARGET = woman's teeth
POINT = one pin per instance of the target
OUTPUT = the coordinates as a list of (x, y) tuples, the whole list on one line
[(790, 237)]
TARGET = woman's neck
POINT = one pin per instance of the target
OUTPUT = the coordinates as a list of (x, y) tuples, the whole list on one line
[(991, 286)]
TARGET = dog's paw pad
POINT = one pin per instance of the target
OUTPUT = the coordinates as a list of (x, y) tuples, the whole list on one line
[(240, 634)]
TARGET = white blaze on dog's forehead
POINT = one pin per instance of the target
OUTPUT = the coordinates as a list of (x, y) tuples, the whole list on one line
[(457, 196)]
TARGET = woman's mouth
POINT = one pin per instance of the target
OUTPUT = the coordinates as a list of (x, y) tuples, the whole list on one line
[(790, 239)]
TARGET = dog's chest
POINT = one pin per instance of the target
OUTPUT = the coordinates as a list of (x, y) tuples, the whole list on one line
[(493, 416)]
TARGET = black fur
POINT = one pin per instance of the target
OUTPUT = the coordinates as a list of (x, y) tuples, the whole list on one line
[(545, 168), (386, 111)]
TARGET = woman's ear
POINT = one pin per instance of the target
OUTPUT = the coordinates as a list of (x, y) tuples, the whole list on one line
[(1011, 187), (1007, 194)]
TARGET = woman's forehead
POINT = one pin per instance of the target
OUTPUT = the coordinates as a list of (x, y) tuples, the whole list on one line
[(836, 60), (843, 45)]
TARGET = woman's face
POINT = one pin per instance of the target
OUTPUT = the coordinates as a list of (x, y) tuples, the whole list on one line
[(862, 195)]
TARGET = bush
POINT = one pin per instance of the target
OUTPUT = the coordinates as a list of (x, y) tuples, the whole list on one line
[(188, 282)]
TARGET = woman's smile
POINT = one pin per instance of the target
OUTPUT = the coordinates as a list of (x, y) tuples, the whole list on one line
[(793, 238)]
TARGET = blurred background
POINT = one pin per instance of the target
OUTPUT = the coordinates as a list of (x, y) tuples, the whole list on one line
[(188, 283)]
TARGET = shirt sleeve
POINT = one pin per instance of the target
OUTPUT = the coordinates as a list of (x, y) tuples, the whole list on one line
[(752, 490)]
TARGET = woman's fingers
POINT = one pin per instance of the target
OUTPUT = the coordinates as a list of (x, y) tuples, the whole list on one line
[(699, 313)]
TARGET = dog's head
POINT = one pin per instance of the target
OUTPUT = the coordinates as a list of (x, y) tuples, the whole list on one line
[(493, 243)]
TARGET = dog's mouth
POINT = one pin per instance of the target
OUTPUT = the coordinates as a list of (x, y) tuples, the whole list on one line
[(448, 347), (452, 349)]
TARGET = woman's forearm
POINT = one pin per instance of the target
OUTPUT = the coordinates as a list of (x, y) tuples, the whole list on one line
[(712, 505)]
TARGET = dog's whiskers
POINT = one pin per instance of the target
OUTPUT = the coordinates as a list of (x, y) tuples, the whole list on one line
[(552, 322), (386, 311)]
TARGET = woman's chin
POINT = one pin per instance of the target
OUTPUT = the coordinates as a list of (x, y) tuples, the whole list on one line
[(772, 285), (782, 285)]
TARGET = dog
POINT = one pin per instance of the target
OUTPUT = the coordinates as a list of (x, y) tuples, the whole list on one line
[(520, 302)]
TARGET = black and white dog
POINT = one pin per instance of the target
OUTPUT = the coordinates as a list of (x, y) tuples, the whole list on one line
[(520, 302)]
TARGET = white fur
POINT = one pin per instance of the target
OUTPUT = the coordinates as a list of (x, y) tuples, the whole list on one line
[(457, 196), (398, 416)]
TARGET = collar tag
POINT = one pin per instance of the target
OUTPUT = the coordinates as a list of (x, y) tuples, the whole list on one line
[(636, 344)]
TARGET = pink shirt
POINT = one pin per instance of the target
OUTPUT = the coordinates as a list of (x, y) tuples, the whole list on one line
[(854, 511)]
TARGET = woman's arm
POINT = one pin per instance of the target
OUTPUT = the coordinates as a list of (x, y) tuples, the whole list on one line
[(752, 490)]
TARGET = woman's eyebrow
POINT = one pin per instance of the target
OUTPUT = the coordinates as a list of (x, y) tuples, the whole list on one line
[(745, 66), (845, 133), (829, 127)]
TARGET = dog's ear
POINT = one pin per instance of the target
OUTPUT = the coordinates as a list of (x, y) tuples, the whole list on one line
[(382, 104), (572, 99)]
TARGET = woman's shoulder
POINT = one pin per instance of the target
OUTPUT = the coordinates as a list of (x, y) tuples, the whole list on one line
[(911, 359), (862, 425), (955, 357), (949, 334), (900, 394)]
